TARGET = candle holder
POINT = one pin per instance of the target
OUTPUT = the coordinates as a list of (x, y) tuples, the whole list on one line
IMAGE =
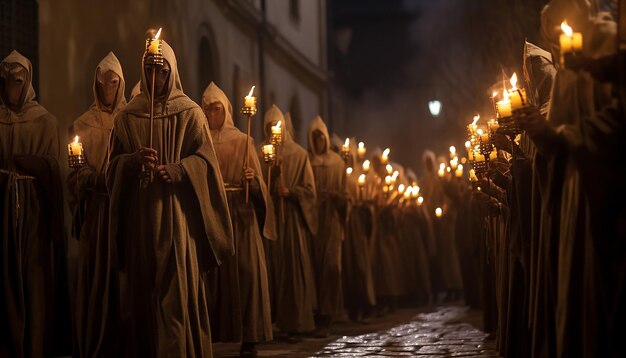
[(152, 56), (269, 156), (276, 139), (509, 125), (76, 161), (154, 51), (345, 154), (75, 158), (249, 111)]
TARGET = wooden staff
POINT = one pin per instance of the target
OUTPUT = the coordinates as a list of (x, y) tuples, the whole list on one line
[(247, 158), (152, 114)]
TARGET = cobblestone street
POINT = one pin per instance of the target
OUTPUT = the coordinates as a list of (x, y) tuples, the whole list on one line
[(442, 331)]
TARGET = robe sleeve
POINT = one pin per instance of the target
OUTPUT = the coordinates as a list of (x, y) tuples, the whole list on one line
[(304, 193), (204, 174)]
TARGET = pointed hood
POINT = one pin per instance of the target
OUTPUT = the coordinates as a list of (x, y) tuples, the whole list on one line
[(214, 94), (29, 108), (174, 101), (328, 157), (539, 72), (136, 90), (110, 63)]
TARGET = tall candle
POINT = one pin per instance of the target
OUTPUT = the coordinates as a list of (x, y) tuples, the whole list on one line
[(268, 149), (504, 108), (250, 100), (366, 166), (361, 150), (75, 148), (570, 41)]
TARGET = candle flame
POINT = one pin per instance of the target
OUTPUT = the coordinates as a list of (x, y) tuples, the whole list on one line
[(361, 145), (362, 179), (389, 168), (566, 28), (158, 34), (386, 152), (347, 142), (76, 139), (349, 170), (494, 94), (452, 149), (476, 118), (460, 167), (514, 81), (468, 144), (366, 165), (479, 131), (420, 200), (395, 175), (401, 188), (438, 212), (250, 93), (277, 126)]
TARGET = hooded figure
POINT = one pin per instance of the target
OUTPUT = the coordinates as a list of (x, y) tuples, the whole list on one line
[(329, 171), (32, 259), (565, 239), (169, 231), (358, 281), (293, 188), (241, 310), (96, 308)]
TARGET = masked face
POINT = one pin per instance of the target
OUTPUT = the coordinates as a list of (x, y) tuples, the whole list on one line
[(319, 142), (13, 82), (161, 78), (215, 114), (108, 83)]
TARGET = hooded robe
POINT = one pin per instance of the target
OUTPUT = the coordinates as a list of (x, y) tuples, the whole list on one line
[(290, 255), (33, 278), (329, 172), (96, 308), (242, 307), (167, 235)]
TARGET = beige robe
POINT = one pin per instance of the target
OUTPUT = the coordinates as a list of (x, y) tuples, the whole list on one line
[(167, 234), (241, 307), (96, 310), (34, 309), (329, 172), (291, 256)]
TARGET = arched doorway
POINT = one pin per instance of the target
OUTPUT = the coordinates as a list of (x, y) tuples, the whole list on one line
[(207, 66)]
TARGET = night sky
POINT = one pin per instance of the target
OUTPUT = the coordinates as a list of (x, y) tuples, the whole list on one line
[(389, 58)]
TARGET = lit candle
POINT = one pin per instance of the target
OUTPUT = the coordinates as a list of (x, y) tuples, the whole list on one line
[(389, 168), (346, 146), (407, 193), (385, 158), (470, 155), (154, 44), (452, 151), (459, 171), (268, 149), (75, 148), (420, 200), (401, 188), (479, 158), (517, 96), (361, 179), (441, 172), (438, 212), (277, 130), (349, 170), (570, 41), (249, 101), (388, 180), (361, 150), (503, 107), (468, 144), (472, 175), (483, 136), (493, 155), (366, 166)]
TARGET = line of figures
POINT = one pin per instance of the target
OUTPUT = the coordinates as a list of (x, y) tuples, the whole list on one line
[(546, 208), (201, 236)]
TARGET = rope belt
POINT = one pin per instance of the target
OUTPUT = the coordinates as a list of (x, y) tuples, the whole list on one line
[(14, 179), (233, 187)]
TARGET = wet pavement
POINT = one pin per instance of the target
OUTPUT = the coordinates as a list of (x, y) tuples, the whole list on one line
[(442, 331)]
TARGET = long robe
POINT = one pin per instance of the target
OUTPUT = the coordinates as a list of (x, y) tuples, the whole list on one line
[(291, 254), (358, 282), (34, 309), (167, 235), (96, 311), (241, 311), (328, 170)]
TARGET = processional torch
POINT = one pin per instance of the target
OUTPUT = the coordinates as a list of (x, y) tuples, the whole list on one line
[(249, 110), (276, 139), (153, 57)]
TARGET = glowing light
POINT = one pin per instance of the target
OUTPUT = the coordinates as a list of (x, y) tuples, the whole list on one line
[(349, 170), (438, 212), (566, 28), (158, 34)]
